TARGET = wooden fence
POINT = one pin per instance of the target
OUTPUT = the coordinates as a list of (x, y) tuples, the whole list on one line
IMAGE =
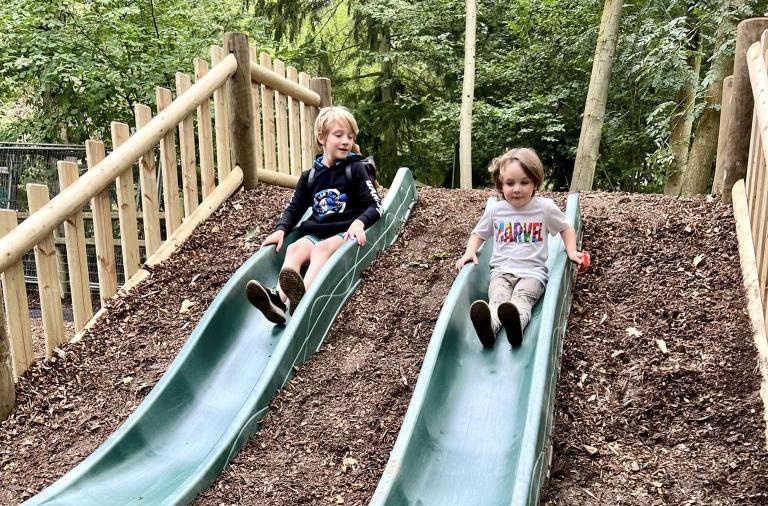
[(261, 128), (750, 197)]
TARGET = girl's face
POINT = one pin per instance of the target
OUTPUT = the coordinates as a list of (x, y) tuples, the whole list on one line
[(337, 143), (516, 185)]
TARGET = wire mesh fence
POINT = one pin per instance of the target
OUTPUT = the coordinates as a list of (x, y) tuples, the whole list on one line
[(37, 163)]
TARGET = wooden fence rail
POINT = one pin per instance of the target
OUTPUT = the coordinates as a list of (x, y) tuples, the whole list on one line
[(281, 136)]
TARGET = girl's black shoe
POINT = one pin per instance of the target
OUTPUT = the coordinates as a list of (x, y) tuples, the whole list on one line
[(266, 301), (510, 320), (480, 314)]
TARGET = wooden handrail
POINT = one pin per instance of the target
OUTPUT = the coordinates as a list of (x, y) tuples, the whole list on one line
[(285, 86), (32, 230)]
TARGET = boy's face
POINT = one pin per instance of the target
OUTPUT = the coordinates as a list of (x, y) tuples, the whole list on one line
[(516, 185), (336, 143)]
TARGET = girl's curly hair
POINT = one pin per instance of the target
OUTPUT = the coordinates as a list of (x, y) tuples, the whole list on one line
[(527, 158)]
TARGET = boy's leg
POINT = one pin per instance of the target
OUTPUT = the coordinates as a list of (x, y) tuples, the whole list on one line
[(320, 254), (524, 297), (297, 254)]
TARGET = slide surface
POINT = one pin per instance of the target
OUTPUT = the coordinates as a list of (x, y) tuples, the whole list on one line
[(478, 426), (219, 386)]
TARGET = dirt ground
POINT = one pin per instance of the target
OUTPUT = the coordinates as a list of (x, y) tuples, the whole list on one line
[(657, 397)]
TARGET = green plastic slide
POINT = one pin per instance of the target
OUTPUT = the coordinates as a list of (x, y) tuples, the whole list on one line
[(478, 426), (219, 386)]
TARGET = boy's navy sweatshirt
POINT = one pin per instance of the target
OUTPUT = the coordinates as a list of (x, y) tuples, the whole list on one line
[(335, 202)]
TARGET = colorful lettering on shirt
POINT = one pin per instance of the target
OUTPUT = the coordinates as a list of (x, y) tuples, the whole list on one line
[(519, 232)]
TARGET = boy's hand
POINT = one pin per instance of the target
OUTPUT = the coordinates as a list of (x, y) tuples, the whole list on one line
[(356, 231), (275, 237), (468, 257)]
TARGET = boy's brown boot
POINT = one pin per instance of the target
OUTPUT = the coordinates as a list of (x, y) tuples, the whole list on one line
[(266, 301), (480, 314), (293, 286), (509, 317)]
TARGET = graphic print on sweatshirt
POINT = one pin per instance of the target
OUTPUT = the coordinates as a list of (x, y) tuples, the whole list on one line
[(329, 202), (521, 232)]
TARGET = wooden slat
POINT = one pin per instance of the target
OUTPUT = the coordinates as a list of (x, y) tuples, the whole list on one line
[(148, 181), (256, 91), (265, 76), (221, 117), (307, 128), (16, 305), (47, 276), (187, 149), (281, 112), (752, 162), (268, 118), (294, 126), (126, 207), (168, 168), (102, 229), (205, 135), (77, 260), (23, 238)]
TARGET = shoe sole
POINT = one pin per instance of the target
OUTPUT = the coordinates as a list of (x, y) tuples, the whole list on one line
[(292, 285), (480, 314), (509, 317), (259, 297)]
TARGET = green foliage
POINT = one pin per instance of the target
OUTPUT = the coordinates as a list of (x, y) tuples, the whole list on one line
[(79, 65), (397, 64)]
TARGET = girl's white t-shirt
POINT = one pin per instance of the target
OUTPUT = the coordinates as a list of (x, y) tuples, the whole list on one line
[(520, 236)]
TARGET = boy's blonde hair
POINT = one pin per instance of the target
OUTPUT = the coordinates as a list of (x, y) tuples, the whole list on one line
[(528, 160), (330, 115)]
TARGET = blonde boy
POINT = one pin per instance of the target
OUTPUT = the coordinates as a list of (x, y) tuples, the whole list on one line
[(344, 203)]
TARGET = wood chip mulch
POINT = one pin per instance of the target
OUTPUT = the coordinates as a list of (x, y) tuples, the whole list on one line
[(68, 406), (658, 395), (657, 399)]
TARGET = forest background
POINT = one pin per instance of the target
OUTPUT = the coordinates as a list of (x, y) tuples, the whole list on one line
[(68, 68)]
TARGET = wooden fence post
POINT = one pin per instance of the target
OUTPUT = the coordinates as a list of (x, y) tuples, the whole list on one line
[(722, 136), (241, 107), (322, 86), (736, 149), (7, 387)]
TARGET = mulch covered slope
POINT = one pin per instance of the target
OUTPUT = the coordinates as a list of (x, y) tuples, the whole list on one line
[(67, 407), (657, 399)]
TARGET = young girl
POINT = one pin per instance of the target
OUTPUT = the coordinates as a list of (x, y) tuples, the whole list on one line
[(344, 203), (519, 225)]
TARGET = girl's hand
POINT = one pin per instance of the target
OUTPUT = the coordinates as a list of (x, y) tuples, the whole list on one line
[(468, 257), (576, 257), (275, 237), (356, 231)]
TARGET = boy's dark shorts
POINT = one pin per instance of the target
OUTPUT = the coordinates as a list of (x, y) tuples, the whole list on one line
[(314, 239)]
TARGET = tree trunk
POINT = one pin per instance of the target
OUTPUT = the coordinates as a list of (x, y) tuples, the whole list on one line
[(389, 134), (594, 110), (680, 136), (467, 97), (706, 139), (7, 388), (742, 103)]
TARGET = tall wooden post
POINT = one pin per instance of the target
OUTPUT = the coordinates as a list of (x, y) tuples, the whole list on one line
[(241, 107), (467, 97), (597, 97), (7, 388), (736, 149), (722, 136)]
